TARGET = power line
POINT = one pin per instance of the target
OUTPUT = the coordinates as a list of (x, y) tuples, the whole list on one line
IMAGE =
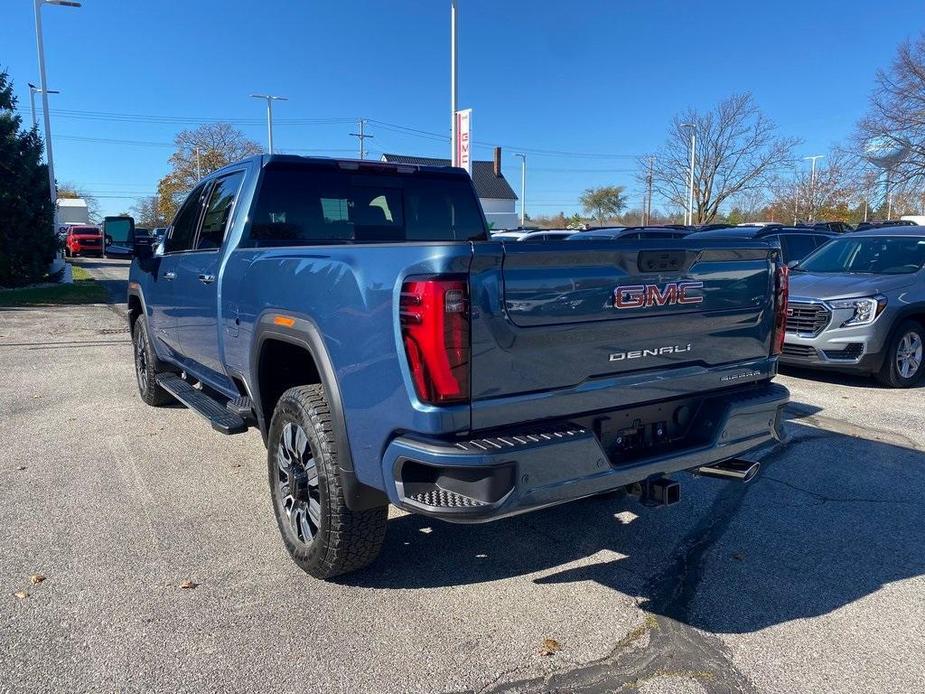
[(394, 127)]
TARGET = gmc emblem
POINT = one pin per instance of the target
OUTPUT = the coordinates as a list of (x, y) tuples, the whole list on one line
[(643, 295)]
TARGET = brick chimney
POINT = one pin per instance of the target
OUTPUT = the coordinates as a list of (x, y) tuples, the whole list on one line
[(498, 162)]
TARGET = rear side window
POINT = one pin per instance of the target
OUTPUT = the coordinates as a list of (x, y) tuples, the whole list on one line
[(218, 211), (184, 224), (297, 205)]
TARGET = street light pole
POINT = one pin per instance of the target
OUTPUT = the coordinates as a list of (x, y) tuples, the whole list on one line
[(690, 194), (33, 90), (270, 99), (523, 188), (812, 186), (453, 85), (40, 44)]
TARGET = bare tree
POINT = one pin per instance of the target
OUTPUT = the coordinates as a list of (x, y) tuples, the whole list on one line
[(199, 152), (147, 213), (737, 151), (895, 121), (834, 195)]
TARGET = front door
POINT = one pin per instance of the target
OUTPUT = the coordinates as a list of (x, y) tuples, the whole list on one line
[(198, 280), (161, 297)]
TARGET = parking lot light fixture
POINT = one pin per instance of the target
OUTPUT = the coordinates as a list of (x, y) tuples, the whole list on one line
[(690, 194), (270, 98), (812, 186), (523, 188), (40, 45), (454, 92), (33, 90)]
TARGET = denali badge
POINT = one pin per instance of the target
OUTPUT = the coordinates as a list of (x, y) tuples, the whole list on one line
[(643, 295), (654, 352)]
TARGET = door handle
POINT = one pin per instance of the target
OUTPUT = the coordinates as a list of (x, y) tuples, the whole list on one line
[(207, 279), (170, 275)]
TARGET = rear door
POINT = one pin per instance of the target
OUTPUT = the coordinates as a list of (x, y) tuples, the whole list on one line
[(197, 278), (559, 316)]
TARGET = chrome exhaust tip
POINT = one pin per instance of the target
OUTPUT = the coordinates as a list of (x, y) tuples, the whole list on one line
[(734, 469)]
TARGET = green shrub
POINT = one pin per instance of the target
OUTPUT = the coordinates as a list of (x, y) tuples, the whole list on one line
[(27, 240)]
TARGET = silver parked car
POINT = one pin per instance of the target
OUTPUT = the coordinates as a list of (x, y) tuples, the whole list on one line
[(858, 304)]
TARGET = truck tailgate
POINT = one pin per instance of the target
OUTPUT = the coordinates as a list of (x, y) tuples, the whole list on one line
[(561, 314)]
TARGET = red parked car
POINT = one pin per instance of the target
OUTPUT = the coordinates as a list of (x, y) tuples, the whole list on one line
[(83, 240)]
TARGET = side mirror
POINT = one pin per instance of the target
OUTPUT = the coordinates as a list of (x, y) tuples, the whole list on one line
[(141, 247), (793, 263)]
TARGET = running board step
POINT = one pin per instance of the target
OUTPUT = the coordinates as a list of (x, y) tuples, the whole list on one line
[(217, 414)]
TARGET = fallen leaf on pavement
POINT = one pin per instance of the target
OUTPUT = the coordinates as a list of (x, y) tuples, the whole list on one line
[(549, 647), (188, 585), (21, 467), (21, 594), (36, 578)]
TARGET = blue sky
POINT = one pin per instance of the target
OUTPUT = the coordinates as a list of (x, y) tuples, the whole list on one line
[(599, 80)]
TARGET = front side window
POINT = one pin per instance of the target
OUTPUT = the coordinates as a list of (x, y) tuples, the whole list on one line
[(184, 226), (218, 211), (300, 205), (881, 255)]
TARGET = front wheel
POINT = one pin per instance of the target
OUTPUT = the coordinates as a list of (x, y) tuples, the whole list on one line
[(903, 364), (146, 366), (322, 535)]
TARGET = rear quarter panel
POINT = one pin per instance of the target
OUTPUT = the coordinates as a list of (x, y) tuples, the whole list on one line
[(350, 294)]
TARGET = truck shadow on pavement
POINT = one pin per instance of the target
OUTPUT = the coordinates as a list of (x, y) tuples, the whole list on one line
[(831, 519)]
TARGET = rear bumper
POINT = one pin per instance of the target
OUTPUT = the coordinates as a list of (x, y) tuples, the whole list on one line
[(515, 472)]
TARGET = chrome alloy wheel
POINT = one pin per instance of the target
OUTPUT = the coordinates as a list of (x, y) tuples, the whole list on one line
[(297, 483), (909, 354)]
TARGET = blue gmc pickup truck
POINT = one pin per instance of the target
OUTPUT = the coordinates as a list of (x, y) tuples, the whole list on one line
[(358, 314)]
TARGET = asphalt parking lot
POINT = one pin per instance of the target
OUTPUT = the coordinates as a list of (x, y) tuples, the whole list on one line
[(811, 578)]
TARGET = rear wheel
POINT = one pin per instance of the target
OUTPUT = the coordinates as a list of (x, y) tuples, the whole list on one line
[(905, 357), (146, 366), (322, 535)]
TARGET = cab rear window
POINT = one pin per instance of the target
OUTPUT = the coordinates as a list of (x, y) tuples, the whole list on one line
[(299, 205)]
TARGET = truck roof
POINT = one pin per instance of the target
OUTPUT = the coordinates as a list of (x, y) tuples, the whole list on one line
[(345, 163)]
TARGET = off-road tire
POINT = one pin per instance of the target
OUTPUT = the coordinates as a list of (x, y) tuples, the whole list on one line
[(889, 374), (344, 540), (146, 370)]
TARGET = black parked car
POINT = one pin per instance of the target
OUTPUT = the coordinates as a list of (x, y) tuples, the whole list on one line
[(880, 223), (795, 242), (834, 227), (670, 231)]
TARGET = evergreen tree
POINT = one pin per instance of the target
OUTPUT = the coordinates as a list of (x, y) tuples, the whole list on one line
[(27, 240)]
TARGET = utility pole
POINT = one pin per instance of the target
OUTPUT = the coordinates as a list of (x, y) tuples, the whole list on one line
[(361, 136), (812, 186), (648, 206), (33, 90), (198, 167), (690, 195), (523, 188), (453, 86), (270, 99), (40, 45)]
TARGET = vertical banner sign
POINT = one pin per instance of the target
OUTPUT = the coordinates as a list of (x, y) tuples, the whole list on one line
[(463, 139)]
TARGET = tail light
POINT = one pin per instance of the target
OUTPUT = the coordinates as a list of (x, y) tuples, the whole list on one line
[(781, 295), (434, 315)]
